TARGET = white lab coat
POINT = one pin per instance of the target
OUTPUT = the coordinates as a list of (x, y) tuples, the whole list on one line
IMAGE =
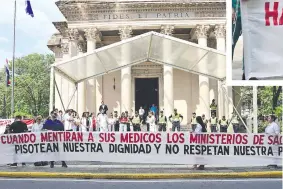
[(37, 127), (83, 126), (152, 126), (111, 122), (67, 122), (201, 159), (274, 129), (102, 119)]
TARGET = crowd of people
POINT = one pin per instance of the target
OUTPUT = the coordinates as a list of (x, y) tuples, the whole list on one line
[(151, 120)]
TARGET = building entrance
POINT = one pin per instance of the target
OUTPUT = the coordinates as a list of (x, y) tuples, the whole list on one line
[(146, 93)]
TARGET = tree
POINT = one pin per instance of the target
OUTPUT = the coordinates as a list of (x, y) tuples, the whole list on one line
[(32, 79)]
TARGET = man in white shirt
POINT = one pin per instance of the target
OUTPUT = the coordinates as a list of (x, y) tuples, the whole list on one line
[(68, 120)]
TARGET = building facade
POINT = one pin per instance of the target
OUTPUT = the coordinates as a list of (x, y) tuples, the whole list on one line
[(94, 24)]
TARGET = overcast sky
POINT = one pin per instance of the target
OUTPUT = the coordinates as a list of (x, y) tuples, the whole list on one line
[(32, 34)]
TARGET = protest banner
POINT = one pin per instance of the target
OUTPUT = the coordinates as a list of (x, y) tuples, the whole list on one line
[(165, 148), (5, 122), (262, 23)]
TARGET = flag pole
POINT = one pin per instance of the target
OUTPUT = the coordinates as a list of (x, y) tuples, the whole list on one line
[(13, 62)]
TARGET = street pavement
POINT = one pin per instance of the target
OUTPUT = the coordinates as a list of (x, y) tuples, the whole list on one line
[(140, 184)]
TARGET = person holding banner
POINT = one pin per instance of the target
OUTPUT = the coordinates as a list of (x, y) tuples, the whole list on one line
[(18, 126), (273, 129), (200, 128), (54, 125), (150, 120), (38, 125)]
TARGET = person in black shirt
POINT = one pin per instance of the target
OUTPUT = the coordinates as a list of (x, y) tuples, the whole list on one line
[(18, 127)]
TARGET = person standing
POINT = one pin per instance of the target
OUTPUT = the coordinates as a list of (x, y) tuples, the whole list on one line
[(123, 123), (150, 120), (153, 109), (235, 123), (84, 121), (213, 123), (193, 122), (18, 127), (141, 113), (200, 128), (54, 125), (111, 123), (68, 120), (204, 120), (129, 119), (223, 125), (136, 121), (213, 107), (103, 122), (162, 122), (273, 129), (176, 120), (103, 108), (116, 124), (38, 125)]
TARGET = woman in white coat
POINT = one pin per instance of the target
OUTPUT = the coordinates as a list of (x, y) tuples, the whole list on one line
[(151, 121), (273, 129), (83, 127), (102, 120), (200, 128)]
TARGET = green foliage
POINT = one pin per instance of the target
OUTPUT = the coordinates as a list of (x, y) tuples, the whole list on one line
[(32, 78)]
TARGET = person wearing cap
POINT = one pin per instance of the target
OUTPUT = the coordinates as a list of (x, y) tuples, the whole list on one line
[(213, 107), (194, 122), (136, 121), (213, 123), (176, 119), (38, 125), (162, 122)]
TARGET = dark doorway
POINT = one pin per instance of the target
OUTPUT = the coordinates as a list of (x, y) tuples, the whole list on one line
[(146, 93)]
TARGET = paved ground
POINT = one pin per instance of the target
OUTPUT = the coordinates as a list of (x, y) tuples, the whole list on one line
[(124, 184), (99, 167)]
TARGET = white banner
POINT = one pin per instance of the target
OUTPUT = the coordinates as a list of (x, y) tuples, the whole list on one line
[(262, 22), (165, 148)]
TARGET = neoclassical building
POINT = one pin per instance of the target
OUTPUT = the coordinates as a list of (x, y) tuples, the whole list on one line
[(137, 53)]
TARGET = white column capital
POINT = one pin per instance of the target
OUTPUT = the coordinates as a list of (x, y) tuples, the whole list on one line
[(92, 34), (73, 34), (125, 32), (81, 46), (167, 29), (220, 31), (201, 31)]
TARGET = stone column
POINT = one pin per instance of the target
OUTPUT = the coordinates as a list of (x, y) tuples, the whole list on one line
[(204, 95), (73, 35), (56, 102), (63, 83), (168, 73), (91, 35), (220, 35), (126, 78), (82, 85)]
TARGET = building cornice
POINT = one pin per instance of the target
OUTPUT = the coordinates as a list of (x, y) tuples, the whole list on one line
[(93, 11)]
